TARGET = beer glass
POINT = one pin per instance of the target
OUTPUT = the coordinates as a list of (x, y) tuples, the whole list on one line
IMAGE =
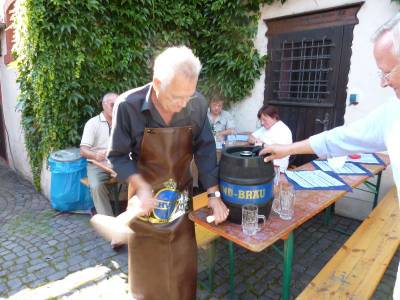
[(250, 219)]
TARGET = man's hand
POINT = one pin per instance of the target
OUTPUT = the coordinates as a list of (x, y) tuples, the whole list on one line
[(220, 211), (143, 203), (100, 155), (274, 152), (254, 141), (220, 134), (251, 139)]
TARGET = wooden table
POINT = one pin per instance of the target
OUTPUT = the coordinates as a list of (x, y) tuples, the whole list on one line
[(307, 204)]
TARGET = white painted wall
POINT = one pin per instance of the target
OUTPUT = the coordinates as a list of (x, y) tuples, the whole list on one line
[(16, 151), (363, 78)]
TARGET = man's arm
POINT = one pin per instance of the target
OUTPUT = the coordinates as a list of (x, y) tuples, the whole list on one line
[(92, 153), (121, 143), (88, 140), (279, 151), (223, 133), (364, 135)]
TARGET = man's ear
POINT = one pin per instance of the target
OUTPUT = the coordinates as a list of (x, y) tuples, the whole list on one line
[(156, 85)]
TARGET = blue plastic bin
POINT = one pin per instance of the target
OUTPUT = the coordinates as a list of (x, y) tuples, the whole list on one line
[(67, 193)]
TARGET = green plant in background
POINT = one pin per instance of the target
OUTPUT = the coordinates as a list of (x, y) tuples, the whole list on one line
[(70, 53)]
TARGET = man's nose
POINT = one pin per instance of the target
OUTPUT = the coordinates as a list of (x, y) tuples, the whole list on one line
[(384, 82)]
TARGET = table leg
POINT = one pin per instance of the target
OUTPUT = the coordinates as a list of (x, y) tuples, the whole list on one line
[(211, 265), (328, 214), (377, 187), (373, 188), (287, 266)]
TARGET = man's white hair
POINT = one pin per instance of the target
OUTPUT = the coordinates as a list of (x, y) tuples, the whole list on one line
[(393, 28), (108, 96), (176, 60)]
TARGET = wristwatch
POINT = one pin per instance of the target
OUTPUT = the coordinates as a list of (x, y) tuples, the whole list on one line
[(215, 194)]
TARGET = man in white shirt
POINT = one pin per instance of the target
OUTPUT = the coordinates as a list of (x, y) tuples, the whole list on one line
[(94, 146), (379, 131)]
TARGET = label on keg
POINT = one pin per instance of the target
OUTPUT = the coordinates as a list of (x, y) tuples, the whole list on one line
[(245, 194)]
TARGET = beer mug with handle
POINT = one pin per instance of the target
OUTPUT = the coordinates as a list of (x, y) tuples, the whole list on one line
[(250, 219)]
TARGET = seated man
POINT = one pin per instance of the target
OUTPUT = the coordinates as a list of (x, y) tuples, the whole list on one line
[(93, 146), (221, 121)]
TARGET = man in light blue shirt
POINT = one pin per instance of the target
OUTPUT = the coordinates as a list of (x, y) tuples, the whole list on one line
[(379, 131)]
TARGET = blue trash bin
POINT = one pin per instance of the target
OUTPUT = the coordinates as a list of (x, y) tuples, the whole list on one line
[(67, 193)]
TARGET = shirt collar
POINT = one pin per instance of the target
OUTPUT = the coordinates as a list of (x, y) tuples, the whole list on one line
[(147, 103), (102, 117), (217, 119)]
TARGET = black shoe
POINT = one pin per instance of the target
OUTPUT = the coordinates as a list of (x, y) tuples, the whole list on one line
[(93, 211), (117, 247)]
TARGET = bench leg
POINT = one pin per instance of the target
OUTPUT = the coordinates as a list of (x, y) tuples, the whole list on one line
[(231, 271), (116, 199), (287, 266)]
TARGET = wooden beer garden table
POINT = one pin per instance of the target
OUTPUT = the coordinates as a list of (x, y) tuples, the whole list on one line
[(308, 203)]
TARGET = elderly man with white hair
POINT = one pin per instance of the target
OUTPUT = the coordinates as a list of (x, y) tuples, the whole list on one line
[(94, 143), (379, 131), (158, 129)]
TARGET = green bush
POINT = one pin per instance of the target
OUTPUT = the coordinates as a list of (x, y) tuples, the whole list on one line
[(70, 52)]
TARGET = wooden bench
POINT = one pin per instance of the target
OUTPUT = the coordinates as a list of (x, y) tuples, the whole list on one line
[(356, 269), (85, 181)]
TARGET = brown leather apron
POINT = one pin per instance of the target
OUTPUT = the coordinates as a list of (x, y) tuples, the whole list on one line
[(163, 252)]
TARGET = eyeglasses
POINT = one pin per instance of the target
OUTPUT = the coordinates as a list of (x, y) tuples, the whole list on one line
[(386, 76), (176, 99)]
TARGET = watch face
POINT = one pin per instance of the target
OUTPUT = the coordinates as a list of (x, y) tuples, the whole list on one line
[(215, 194)]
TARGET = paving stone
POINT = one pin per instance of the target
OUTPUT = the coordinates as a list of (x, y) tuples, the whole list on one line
[(58, 275), (14, 283), (28, 278)]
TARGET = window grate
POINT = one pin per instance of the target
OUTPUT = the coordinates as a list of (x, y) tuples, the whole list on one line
[(301, 71)]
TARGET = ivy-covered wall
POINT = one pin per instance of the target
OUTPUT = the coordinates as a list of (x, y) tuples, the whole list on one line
[(70, 52)]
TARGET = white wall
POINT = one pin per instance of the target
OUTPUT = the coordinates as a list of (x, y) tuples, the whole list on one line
[(16, 151)]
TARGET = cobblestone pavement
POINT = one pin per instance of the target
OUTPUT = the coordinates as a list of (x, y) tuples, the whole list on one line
[(48, 255)]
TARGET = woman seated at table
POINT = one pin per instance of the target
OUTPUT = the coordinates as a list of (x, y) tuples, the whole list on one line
[(273, 131)]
